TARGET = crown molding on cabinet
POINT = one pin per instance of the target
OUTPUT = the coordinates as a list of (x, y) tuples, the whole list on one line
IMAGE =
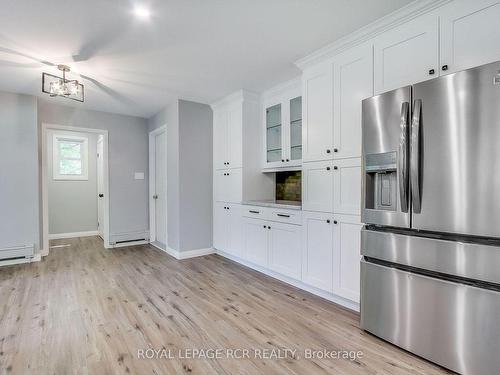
[(396, 18), (282, 88), (238, 96)]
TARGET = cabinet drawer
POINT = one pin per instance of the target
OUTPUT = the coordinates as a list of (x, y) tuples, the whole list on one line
[(256, 212), (285, 216)]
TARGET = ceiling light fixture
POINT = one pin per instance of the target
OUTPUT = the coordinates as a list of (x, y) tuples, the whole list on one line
[(60, 86), (142, 12)]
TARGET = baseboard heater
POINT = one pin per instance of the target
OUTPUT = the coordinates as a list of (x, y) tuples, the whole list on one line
[(17, 252)]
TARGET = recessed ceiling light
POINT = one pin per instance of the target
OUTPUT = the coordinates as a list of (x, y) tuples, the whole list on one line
[(142, 12)]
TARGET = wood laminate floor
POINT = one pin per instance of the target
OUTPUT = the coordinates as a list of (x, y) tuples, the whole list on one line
[(87, 310)]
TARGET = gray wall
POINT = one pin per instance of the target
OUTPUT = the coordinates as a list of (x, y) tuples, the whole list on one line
[(195, 175), (73, 203), (128, 153), (189, 176), (19, 200)]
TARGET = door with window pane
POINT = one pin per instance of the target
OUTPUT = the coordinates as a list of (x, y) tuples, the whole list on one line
[(274, 128)]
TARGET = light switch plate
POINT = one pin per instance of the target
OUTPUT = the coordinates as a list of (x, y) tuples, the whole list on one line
[(139, 176)]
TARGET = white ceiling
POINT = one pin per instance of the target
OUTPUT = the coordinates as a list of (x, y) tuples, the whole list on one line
[(198, 50)]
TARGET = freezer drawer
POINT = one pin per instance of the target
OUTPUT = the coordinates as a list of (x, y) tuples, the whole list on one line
[(467, 260), (451, 324)]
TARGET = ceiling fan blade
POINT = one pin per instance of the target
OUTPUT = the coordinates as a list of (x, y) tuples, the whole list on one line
[(94, 46), (13, 64), (108, 90), (22, 54)]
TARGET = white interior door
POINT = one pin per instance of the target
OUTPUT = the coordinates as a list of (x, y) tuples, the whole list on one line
[(160, 196), (100, 186)]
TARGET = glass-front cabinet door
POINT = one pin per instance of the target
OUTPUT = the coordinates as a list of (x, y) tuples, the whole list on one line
[(282, 130), (274, 131), (296, 128)]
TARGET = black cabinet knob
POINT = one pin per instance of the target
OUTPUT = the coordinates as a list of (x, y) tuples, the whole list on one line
[(444, 67), (328, 221), (328, 151), (327, 168), (101, 195), (335, 167), (282, 160), (334, 221), (287, 159), (431, 71), (335, 150), (268, 227), (264, 226)]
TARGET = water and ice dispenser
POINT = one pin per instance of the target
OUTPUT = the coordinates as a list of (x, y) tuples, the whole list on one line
[(381, 181)]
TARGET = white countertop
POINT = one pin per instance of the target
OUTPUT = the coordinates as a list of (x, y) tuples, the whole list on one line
[(289, 205)]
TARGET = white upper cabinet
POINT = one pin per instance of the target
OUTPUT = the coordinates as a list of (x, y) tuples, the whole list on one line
[(352, 82), (470, 34), (317, 112), (221, 154), (346, 256), (235, 137), (407, 54), (317, 186), (283, 126), (228, 136), (347, 186), (228, 185)]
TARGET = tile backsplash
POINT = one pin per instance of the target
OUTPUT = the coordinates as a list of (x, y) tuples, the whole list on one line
[(289, 186)]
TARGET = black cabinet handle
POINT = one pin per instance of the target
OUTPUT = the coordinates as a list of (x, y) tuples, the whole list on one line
[(268, 227), (101, 195), (328, 221), (335, 167), (327, 168), (444, 67), (431, 71), (335, 150), (282, 160), (264, 226), (283, 215), (287, 159), (334, 221), (254, 212), (328, 151)]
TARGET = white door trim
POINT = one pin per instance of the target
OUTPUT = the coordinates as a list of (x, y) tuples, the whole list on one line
[(152, 179), (45, 194)]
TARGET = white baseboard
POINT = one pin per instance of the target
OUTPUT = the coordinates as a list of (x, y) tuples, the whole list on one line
[(58, 236), (185, 254), (36, 258), (296, 283)]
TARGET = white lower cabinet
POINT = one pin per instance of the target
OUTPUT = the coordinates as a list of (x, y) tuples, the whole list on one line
[(285, 249), (317, 250), (346, 256), (255, 241), (227, 228), (331, 253), (273, 245)]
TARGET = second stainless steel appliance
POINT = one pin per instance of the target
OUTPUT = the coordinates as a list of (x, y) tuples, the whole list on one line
[(431, 205)]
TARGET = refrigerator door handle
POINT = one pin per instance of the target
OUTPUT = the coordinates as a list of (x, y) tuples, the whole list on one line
[(415, 156), (403, 157)]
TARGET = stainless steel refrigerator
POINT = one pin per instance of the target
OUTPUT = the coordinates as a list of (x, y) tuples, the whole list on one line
[(430, 272)]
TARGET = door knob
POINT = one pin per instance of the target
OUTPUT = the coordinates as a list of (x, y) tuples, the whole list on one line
[(101, 195)]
